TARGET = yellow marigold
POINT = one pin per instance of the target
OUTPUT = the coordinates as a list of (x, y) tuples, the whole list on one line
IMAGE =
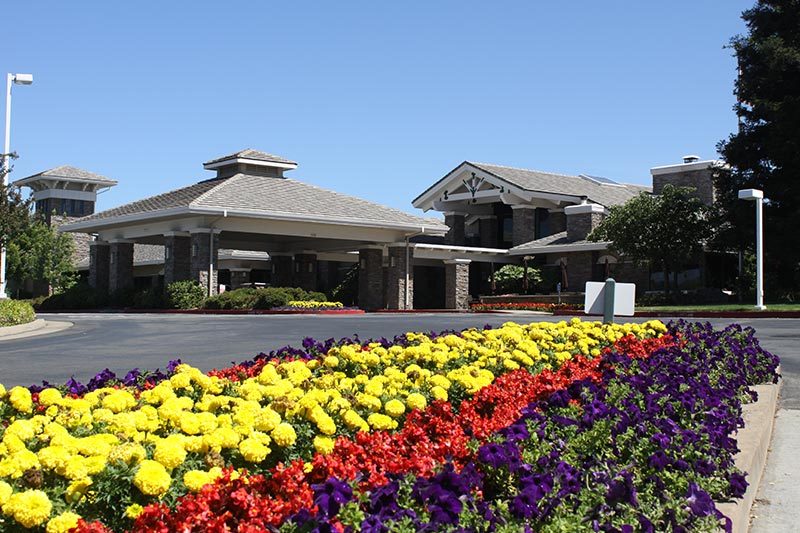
[(2, 391), (152, 478), (5, 492), (324, 445), (22, 429), (416, 400), (196, 479), (30, 508), (331, 361), (284, 435), (439, 393), (77, 489), (63, 523), (354, 421), (49, 396), (133, 511), (253, 450), (129, 453), (394, 408), (379, 421), (119, 401), (190, 424), (170, 452), (20, 399)]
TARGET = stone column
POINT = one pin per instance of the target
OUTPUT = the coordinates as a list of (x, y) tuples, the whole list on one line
[(370, 278), (204, 259), (556, 222), (396, 277), (239, 276), (281, 269), (487, 227), (120, 262), (177, 256), (456, 235), (582, 219), (524, 224), (99, 266), (456, 284), (305, 271)]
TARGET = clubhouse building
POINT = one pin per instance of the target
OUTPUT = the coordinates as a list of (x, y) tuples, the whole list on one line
[(250, 225)]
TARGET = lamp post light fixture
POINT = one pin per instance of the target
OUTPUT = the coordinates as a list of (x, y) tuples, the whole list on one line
[(757, 195), (12, 79)]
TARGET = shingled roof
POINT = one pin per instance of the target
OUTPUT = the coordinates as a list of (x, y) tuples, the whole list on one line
[(270, 197), (256, 155), (66, 172), (557, 242), (606, 193)]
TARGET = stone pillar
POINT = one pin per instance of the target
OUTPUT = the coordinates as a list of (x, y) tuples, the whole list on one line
[(524, 223), (456, 284), (120, 275), (455, 235), (487, 227), (370, 278), (177, 257), (556, 222), (305, 271), (204, 259), (99, 266), (281, 269), (582, 219), (239, 276), (396, 277)]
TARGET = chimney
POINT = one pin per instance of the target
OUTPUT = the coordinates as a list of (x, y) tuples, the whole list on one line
[(582, 219), (693, 173)]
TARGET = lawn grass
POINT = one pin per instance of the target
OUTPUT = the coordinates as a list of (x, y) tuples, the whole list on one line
[(718, 307)]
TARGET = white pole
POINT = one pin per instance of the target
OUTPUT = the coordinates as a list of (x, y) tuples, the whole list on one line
[(6, 167), (760, 254)]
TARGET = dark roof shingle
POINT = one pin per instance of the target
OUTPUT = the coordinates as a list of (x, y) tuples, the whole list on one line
[(250, 153)]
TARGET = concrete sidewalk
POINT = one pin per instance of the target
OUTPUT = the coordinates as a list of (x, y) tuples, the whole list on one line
[(33, 329)]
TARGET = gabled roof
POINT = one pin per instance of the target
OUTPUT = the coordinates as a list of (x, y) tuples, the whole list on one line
[(265, 197), (556, 243), (604, 192), (69, 173), (255, 155)]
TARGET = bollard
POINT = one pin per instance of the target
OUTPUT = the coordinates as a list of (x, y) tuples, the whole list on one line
[(608, 301)]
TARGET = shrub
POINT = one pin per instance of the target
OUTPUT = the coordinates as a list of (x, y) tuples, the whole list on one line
[(148, 299), (15, 312), (79, 296), (316, 297), (186, 294), (509, 278), (270, 297)]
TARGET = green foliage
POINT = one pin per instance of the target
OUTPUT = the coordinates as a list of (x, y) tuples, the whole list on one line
[(15, 211), (149, 299), (347, 291), (15, 312), (263, 298), (40, 252), (763, 153), (186, 294), (666, 230), (509, 279), (79, 296)]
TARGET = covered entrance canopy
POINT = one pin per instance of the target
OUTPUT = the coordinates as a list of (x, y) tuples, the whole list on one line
[(250, 205)]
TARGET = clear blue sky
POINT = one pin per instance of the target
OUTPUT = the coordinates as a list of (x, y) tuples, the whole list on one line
[(374, 99)]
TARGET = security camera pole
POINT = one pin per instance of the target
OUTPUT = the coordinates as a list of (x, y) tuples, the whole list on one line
[(758, 196), (12, 79)]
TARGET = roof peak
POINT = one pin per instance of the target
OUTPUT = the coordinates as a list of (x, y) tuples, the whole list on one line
[(68, 173), (478, 163), (253, 157)]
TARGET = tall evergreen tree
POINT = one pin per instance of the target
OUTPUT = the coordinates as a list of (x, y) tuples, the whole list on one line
[(765, 152)]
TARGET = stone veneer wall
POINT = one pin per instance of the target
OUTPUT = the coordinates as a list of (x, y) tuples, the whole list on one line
[(370, 278), (455, 234), (201, 258), (701, 180), (580, 225), (98, 266), (120, 266), (396, 279), (524, 225), (305, 271), (177, 252), (456, 290)]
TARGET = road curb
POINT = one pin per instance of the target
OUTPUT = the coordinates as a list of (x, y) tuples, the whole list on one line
[(8, 331), (753, 441)]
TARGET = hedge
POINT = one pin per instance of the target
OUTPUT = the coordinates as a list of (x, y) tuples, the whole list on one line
[(15, 312)]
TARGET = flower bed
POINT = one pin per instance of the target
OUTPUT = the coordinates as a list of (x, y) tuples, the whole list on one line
[(485, 428), (523, 306)]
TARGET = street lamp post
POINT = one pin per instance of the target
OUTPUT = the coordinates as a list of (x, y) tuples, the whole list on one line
[(12, 79), (758, 196)]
